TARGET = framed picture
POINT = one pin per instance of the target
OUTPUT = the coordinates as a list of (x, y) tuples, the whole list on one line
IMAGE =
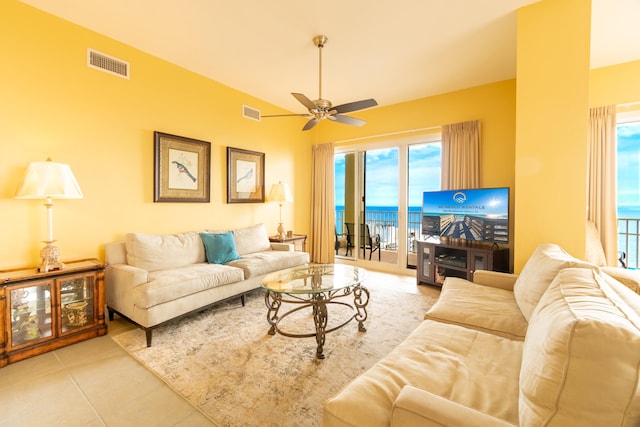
[(182, 169), (245, 176)]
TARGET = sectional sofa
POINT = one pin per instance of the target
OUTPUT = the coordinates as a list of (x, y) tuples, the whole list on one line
[(154, 278), (557, 345)]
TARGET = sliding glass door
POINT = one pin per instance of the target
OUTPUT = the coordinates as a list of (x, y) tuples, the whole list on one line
[(423, 175), (378, 193)]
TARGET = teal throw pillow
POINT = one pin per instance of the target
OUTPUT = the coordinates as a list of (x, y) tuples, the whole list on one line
[(219, 248)]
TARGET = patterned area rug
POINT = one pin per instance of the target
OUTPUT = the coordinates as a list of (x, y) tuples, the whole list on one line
[(224, 362)]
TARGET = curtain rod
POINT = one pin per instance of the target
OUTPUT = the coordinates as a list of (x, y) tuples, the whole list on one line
[(387, 134)]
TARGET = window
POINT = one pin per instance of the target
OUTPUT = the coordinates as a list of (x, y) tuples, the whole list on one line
[(628, 177)]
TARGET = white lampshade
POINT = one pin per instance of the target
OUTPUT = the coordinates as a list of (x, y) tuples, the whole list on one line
[(280, 193), (48, 179)]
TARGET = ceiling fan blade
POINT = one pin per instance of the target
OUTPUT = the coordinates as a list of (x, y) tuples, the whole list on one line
[(304, 101), (347, 120), (311, 123), (355, 106)]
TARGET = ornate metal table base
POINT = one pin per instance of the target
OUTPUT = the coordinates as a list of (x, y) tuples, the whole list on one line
[(319, 302)]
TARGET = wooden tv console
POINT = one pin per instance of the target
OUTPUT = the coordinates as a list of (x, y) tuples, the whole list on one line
[(438, 259)]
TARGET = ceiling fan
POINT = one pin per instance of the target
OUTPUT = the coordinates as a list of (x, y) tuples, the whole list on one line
[(321, 109)]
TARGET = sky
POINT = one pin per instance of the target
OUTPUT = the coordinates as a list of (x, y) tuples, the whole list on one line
[(629, 164), (382, 174), (424, 172)]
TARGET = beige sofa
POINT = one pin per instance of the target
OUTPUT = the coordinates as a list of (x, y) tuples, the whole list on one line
[(154, 278), (558, 345)]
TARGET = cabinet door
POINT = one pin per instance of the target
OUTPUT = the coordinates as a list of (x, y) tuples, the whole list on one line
[(479, 261), (77, 301), (30, 313)]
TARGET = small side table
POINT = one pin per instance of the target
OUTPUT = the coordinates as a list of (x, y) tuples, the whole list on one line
[(299, 241)]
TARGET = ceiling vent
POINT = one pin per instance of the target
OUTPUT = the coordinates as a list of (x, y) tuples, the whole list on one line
[(106, 63), (250, 113)]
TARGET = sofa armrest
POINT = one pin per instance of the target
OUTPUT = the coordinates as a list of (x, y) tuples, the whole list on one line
[(417, 407), (629, 278), (282, 247), (495, 279), (121, 280)]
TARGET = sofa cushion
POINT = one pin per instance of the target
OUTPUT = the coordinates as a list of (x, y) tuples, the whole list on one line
[(172, 284), (538, 273), (485, 308), (581, 357), (256, 264), (219, 248), (467, 366), (251, 239), (153, 252)]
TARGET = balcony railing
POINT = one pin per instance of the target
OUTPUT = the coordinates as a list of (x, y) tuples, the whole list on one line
[(628, 241), (385, 223)]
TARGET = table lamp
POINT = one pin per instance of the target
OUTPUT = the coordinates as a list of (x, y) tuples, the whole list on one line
[(280, 193), (49, 180)]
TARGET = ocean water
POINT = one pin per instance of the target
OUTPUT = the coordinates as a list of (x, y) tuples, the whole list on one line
[(624, 211), (629, 211), (628, 237)]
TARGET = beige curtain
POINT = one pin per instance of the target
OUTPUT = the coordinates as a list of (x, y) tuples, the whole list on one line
[(601, 178), (322, 205), (461, 155)]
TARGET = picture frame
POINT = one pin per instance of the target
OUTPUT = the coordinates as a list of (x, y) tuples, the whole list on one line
[(182, 169), (245, 176)]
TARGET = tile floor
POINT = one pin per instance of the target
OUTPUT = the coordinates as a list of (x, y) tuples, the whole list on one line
[(96, 383), (92, 383)]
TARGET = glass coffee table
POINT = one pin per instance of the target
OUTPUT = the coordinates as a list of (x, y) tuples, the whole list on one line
[(317, 287)]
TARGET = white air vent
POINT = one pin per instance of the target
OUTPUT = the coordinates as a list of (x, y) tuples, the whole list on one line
[(106, 63), (250, 113)]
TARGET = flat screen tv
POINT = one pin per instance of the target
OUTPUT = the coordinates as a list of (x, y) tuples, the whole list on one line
[(480, 214)]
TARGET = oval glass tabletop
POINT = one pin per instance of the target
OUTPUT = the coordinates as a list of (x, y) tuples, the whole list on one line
[(314, 278)]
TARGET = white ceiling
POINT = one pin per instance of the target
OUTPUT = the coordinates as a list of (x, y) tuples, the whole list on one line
[(392, 51)]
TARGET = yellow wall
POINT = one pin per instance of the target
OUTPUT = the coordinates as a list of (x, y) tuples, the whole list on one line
[(552, 111), (617, 84), (53, 105)]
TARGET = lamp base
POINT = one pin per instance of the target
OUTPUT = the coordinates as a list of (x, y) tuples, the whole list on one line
[(281, 234), (49, 255)]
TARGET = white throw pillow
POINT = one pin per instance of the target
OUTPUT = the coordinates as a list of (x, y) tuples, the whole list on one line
[(251, 239), (581, 356), (538, 273), (153, 252)]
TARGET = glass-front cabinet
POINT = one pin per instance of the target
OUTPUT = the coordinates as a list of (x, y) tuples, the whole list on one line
[(45, 311), (76, 295), (30, 307)]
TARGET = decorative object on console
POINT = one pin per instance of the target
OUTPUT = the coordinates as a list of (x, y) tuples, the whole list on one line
[(281, 193), (49, 180), (245, 176), (181, 169)]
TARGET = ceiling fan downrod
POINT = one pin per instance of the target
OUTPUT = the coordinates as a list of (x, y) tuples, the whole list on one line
[(320, 41)]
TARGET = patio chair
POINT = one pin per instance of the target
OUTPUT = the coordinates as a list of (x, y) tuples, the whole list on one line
[(341, 242), (370, 241), (350, 237)]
